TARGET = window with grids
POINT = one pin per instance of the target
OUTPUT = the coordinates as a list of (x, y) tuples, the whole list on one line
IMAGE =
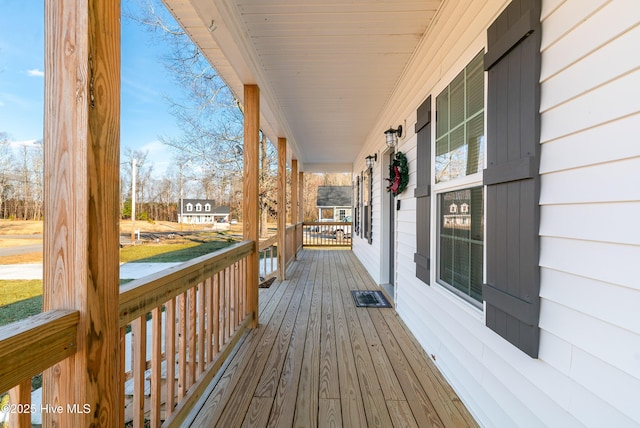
[(459, 160)]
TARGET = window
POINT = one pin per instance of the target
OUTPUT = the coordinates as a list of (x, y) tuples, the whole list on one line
[(198, 207), (460, 125), (189, 207), (459, 161), (207, 207), (460, 241), (342, 214)]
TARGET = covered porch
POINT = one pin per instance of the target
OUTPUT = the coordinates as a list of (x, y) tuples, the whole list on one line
[(318, 360), (199, 344)]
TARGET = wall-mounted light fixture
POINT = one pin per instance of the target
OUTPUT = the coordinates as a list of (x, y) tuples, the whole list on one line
[(371, 159), (393, 135)]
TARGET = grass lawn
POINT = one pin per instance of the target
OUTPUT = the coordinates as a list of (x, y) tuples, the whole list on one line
[(22, 298)]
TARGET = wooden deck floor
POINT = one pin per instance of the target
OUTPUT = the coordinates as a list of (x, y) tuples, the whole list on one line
[(318, 361)]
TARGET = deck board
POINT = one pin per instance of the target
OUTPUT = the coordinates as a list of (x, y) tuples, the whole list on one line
[(317, 360)]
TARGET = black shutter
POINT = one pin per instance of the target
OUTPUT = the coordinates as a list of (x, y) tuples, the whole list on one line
[(512, 177), (422, 257)]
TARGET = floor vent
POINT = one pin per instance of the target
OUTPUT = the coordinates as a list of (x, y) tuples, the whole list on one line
[(370, 299)]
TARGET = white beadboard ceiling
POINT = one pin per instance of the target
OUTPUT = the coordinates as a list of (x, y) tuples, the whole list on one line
[(325, 68)]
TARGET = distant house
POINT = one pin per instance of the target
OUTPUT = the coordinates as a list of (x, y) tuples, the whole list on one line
[(334, 202), (202, 211)]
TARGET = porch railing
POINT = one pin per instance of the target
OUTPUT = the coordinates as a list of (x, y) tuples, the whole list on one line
[(27, 348), (327, 234), (177, 328), (268, 250)]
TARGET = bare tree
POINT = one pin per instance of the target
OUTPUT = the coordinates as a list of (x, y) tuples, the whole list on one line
[(7, 165), (209, 115)]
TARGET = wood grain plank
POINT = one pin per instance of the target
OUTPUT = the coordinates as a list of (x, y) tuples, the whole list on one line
[(249, 380), (330, 413), (258, 413), (350, 389), (373, 399), (329, 385), (401, 415), (444, 400), (306, 413), (221, 394), (284, 405)]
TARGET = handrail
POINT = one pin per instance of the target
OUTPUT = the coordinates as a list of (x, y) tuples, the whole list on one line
[(30, 346), (142, 295), (178, 326), (266, 243)]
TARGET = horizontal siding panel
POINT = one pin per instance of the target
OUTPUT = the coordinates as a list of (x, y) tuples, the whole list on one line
[(618, 347), (612, 385), (605, 64), (587, 148), (604, 104), (612, 304), (610, 182), (593, 412), (616, 264), (555, 352), (612, 222), (524, 402), (566, 16), (616, 18)]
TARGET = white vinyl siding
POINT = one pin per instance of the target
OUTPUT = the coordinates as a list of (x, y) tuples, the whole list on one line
[(588, 370)]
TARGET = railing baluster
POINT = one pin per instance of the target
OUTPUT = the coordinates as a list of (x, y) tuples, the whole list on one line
[(192, 352), (182, 345), (123, 359), (20, 395), (139, 367), (170, 351), (156, 366), (210, 314), (216, 313), (201, 333)]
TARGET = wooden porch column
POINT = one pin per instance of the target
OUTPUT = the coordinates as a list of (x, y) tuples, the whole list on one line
[(294, 191), (250, 216), (294, 204), (81, 192), (301, 196), (282, 207)]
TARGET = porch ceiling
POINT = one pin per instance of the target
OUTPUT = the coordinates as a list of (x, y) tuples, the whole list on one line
[(325, 67)]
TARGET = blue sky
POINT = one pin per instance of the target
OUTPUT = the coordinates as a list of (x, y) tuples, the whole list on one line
[(145, 82)]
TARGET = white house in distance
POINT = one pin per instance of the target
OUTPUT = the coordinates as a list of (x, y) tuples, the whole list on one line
[(335, 201), (529, 108), (202, 211)]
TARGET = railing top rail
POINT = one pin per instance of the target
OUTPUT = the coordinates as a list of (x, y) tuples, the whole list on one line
[(32, 345), (144, 294), (327, 223), (268, 242)]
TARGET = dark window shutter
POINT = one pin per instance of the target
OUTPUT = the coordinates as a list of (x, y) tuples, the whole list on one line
[(512, 241), (422, 257)]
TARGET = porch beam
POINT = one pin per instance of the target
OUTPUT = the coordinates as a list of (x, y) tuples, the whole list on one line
[(282, 208), (81, 192), (250, 215)]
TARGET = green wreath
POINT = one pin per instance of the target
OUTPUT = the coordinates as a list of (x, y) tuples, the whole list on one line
[(398, 174)]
